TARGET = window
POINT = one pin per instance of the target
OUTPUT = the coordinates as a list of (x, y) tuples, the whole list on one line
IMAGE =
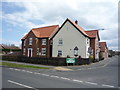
[(37, 51), (87, 41), (43, 51), (43, 41), (24, 42), (36, 40), (60, 42), (24, 50), (30, 41), (59, 53)]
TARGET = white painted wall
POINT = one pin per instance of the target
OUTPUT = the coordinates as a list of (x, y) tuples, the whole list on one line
[(71, 38)]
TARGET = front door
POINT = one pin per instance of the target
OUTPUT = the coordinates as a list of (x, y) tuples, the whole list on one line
[(29, 52)]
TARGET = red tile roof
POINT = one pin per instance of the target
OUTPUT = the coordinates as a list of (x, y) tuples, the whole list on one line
[(44, 32), (80, 28), (102, 46), (25, 36), (50, 31), (93, 33), (8, 47)]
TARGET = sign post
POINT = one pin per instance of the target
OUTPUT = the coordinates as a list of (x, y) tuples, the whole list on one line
[(90, 50), (70, 60)]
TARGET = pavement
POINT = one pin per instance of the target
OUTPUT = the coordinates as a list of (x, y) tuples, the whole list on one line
[(103, 74), (99, 64)]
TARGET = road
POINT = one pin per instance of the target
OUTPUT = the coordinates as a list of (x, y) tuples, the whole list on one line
[(100, 76)]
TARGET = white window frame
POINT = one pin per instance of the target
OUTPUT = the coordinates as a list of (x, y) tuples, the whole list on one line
[(37, 51), (87, 41), (59, 52), (36, 39), (60, 42), (43, 52), (30, 41), (31, 52), (44, 41), (24, 42)]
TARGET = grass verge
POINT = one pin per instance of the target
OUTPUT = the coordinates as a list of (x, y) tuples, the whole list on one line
[(21, 65)]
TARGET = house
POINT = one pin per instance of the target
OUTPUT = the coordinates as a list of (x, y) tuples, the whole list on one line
[(71, 40), (103, 50), (94, 42), (38, 43), (5, 49)]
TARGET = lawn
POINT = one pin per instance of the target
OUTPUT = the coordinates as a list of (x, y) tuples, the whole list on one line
[(21, 65)]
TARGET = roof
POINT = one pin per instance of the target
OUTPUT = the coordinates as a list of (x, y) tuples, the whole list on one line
[(93, 33), (43, 32), (51, 31), (75, 25), (25, 36), (2, 46), (80, 28), (102, 46)]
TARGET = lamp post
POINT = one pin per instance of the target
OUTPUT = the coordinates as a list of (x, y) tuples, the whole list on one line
[(76, 51)]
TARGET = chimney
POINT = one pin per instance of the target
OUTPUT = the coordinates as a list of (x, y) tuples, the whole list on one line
[(76, 22)]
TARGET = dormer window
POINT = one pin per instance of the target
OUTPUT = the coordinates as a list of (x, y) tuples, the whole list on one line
[(43, 41), (30, 41)]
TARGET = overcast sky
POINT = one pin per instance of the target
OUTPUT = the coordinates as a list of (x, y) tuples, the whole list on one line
[(20, 16)]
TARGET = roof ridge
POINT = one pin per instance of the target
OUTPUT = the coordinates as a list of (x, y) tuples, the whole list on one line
[(91, 30), (44, 27), (79, 27)]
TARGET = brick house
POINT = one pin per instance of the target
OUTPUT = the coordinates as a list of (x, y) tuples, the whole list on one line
[(38, 43), (103, 50), (68, 40), (94, 42)]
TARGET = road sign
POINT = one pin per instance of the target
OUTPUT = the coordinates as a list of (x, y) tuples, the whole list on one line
[(90, 50), (70, 60)]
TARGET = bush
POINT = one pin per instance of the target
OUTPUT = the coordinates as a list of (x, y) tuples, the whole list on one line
[(101, 57), (91, 58), (68, 56), (9, 58), (55, 61)]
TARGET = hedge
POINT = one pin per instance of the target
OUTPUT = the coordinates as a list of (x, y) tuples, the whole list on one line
[(55, 61)]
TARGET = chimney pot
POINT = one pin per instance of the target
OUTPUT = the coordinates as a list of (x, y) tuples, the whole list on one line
[(76, 22)]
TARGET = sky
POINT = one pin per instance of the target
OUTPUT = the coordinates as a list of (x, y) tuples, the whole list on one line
[(18, 17)]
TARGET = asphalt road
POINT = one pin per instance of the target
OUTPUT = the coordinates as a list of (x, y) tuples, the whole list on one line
[(104, 75)]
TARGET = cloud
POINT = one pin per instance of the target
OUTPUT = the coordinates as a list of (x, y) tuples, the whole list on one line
[(91, 14), (4, 41)]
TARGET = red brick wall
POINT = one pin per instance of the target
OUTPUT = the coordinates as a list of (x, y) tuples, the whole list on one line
[(92, 44), (35, 45)]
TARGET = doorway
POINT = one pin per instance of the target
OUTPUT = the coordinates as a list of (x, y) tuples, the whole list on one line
[(29, 52)]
